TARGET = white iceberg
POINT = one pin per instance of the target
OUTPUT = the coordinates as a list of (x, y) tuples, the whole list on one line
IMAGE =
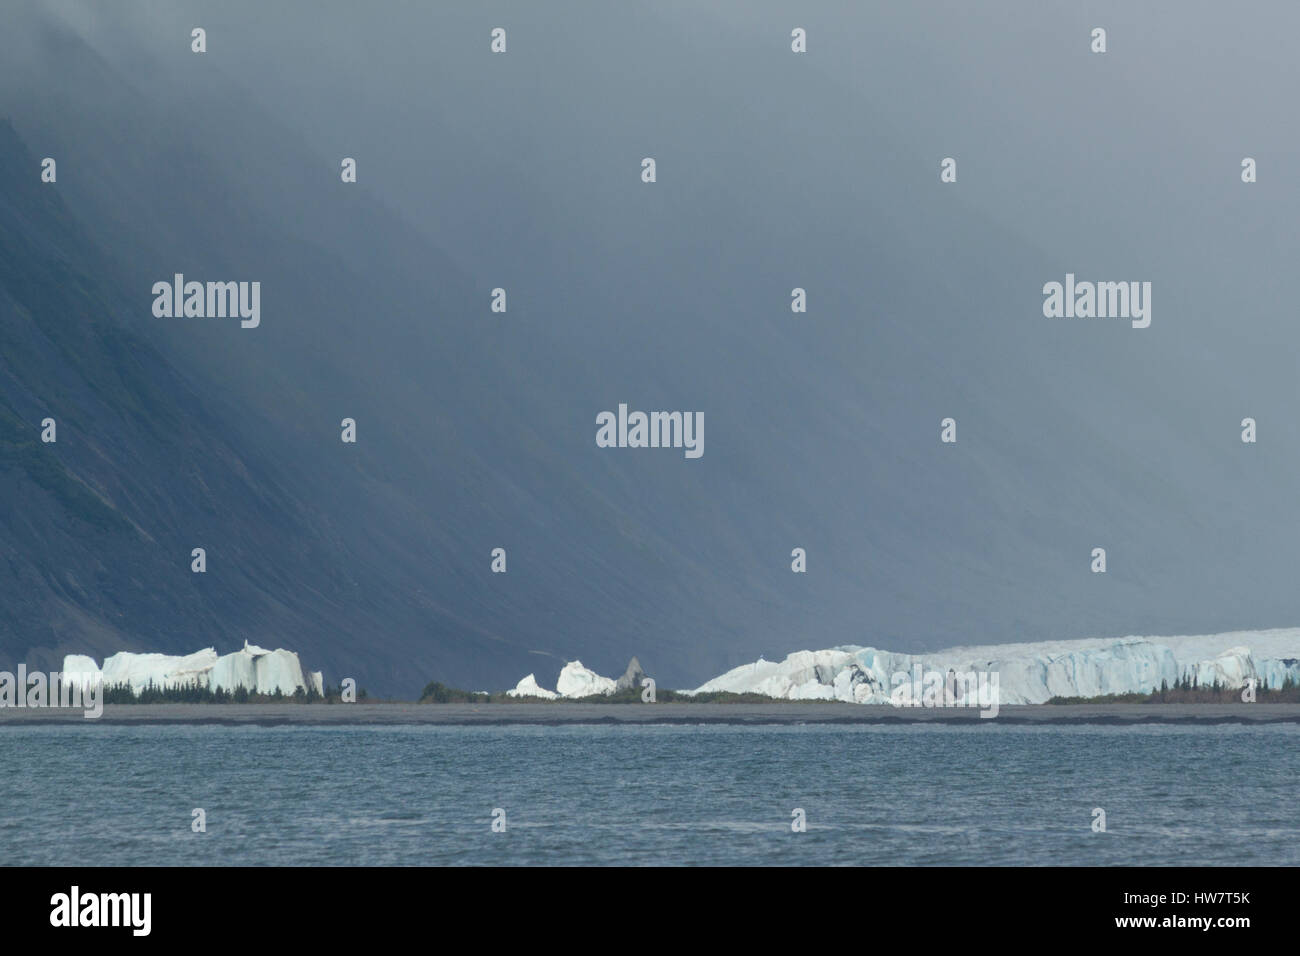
[(578, 681), (161, 670), (528, 687), (234, 670), (255, 668)]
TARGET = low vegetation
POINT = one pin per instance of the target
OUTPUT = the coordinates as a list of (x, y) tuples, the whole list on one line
[(438, 693)]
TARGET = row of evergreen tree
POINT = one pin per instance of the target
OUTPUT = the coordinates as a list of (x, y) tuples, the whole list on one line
[(1191, 682), (194, 693)]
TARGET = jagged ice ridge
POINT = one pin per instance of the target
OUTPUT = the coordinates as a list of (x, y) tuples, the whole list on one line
[(1027, 673)]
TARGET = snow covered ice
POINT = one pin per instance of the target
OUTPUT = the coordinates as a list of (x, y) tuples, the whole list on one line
[(574, 683), (578, 681), (528, 687), (267, 671), (80, 669), (255, 668), (1027, 673)]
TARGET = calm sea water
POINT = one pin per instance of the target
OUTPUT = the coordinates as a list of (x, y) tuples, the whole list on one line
[(712, 794)]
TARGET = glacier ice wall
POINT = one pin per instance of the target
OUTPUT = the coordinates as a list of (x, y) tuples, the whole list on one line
[(80, 669), (1027, 673), (255, 668)]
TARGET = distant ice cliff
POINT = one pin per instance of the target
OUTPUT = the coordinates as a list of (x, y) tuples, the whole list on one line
[(254, 668), (1027, 673)]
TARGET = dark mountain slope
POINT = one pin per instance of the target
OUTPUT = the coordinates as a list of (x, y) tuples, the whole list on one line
[(99, 525), (477, 430)]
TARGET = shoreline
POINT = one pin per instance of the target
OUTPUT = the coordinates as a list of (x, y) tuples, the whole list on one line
[(571, 713)]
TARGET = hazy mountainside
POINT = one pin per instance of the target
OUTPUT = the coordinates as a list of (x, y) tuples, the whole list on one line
[(151, 462), (477, 430), (100, 523)]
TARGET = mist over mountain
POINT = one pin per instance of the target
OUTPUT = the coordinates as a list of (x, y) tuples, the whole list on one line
[(476, 430)]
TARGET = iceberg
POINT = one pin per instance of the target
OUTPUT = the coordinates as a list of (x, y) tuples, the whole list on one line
[(528, 687), (254, 668), (1026, 673), (162, 670), (235, 670), (578, 681)]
